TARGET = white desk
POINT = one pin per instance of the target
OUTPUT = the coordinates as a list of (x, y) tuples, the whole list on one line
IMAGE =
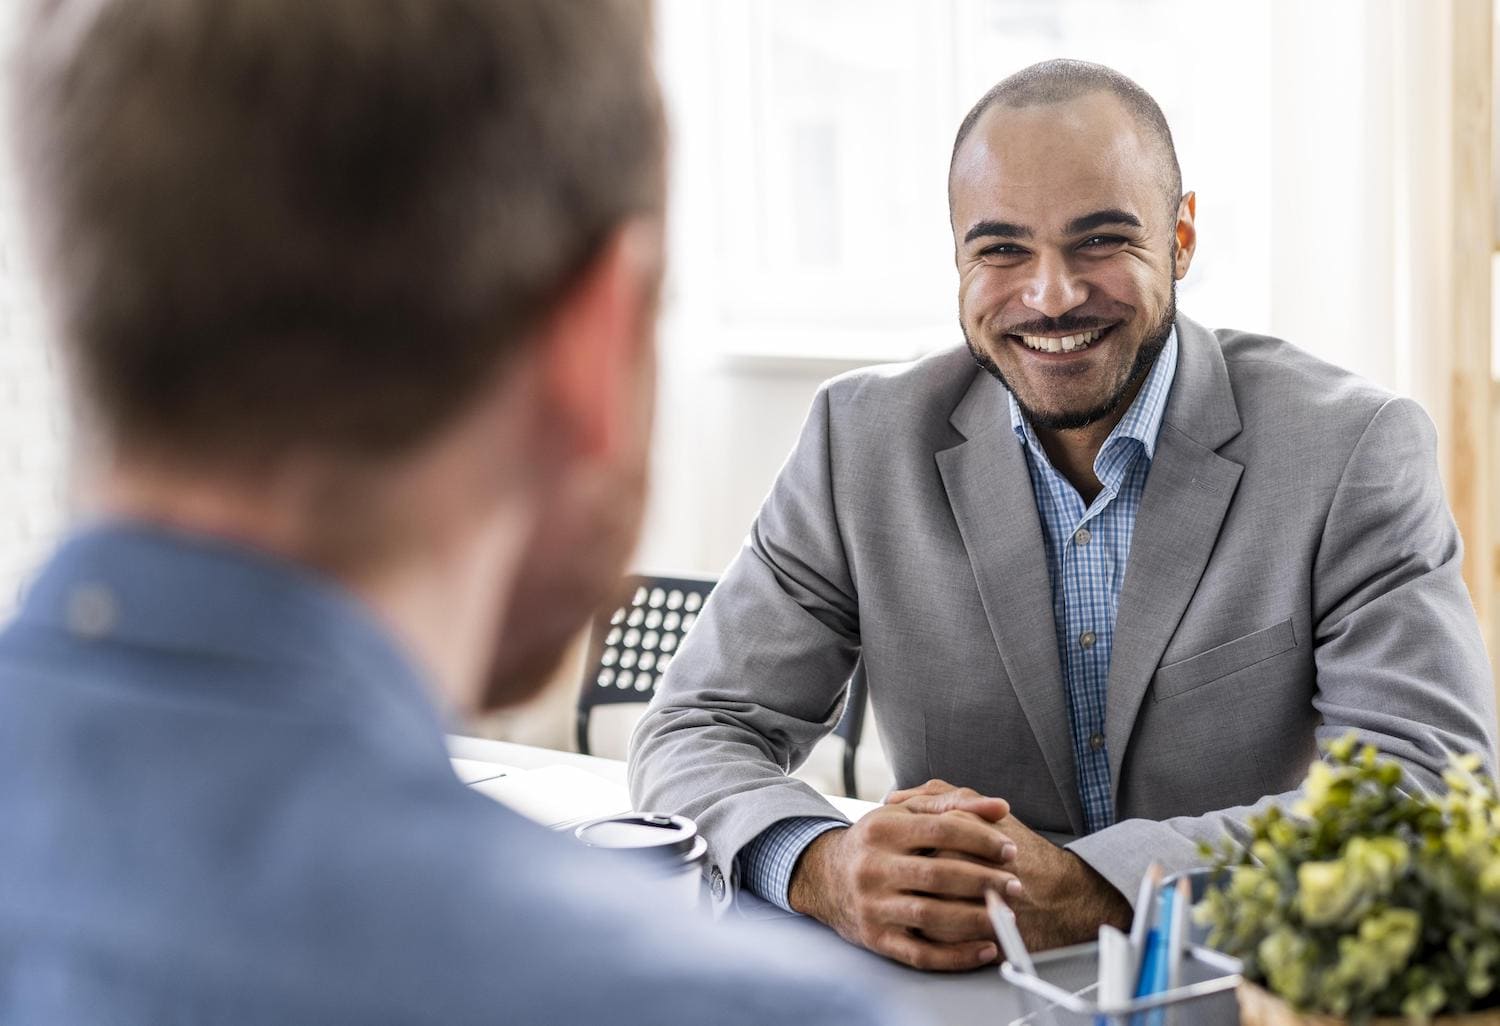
[(526, 757), (981, 997), (613, 770)]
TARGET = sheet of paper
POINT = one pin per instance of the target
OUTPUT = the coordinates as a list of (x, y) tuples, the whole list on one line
[(471, 771), (557, 796), (854, 808)]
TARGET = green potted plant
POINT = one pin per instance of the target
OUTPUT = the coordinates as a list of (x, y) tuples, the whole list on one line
[(1369, 899)]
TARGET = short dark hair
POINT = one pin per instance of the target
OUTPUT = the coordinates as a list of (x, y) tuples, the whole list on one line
[(275, 223), (1060, 80)]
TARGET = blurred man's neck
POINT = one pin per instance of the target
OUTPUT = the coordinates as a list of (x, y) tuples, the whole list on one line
[(440, 596)]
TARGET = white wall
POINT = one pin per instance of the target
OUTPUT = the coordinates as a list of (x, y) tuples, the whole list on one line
[(33, 419)]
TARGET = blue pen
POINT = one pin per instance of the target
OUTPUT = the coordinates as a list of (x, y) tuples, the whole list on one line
[(1154, 967)]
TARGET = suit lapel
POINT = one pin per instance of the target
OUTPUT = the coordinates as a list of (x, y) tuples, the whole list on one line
[(1188, 492), (990, 491)]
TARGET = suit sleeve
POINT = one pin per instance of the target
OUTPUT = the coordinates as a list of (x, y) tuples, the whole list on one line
[(763, 674), (1400, 660)]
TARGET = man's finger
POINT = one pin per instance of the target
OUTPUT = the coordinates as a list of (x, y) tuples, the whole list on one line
[(1009, 853), (938, 919), (901, 830), (961, 834), (950, 877), (933, 786), (924, 954), (992, 809)]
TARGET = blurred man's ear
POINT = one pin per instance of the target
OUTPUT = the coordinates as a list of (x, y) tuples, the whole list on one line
[(594, 362), (598, 347)]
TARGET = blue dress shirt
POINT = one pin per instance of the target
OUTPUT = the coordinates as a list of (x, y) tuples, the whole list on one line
[(227, 799), (1088, 546)]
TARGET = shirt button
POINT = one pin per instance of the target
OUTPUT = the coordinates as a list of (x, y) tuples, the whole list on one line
[(1087, 639), (1083, 536), (716, 883), (1096, 741), (92, 611)]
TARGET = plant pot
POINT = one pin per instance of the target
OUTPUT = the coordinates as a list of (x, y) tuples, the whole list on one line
[(1259, 1007)]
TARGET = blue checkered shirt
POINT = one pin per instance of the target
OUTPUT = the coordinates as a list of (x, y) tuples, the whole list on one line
[(1087, 549)]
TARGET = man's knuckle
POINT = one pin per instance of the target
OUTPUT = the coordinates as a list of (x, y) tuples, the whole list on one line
[(919, 875), (920, 913), (977, 922), (894, 943), (945, 959)]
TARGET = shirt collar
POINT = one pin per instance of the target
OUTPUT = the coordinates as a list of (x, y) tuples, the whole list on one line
[(161, 589), (1142, 422)]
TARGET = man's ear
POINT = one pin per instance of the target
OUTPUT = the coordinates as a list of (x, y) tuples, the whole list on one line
[(1187, 235), (597, 342)]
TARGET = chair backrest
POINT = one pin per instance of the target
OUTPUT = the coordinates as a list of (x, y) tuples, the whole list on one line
[(631, 646), (851, 725)]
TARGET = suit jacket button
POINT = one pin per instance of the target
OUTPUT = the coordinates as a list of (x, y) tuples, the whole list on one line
[(716, 883)]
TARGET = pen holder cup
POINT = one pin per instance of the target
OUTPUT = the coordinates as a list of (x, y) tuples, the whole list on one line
[(1064, 992)]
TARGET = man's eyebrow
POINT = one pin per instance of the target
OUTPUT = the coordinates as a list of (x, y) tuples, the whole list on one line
[(1100, 219), (998, 230)]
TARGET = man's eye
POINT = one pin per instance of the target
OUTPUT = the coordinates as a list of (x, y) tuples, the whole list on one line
[(1096, 241), (1003, 249)]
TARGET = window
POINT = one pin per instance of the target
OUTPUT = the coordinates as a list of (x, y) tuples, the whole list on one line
[(813, 143)]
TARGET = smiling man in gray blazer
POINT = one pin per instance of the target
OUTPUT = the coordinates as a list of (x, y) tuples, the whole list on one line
[(1111, 587)]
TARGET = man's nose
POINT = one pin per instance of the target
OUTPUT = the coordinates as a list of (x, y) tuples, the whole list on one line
[(1054, 289)]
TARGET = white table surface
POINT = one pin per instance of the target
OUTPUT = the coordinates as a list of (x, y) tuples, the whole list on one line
[(979, 997), (526, 757)]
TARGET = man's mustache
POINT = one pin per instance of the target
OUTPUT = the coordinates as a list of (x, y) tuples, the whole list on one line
[(1065, 325)]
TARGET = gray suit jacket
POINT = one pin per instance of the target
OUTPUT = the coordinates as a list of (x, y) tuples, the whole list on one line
[(1294, 576)]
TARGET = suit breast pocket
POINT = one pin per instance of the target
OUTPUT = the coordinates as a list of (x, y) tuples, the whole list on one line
[(1222, 660)]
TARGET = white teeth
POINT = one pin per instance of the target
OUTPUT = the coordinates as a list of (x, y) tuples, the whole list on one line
[(1065, 344)]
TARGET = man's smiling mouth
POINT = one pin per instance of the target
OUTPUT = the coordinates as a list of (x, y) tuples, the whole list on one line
[(1063, 343)]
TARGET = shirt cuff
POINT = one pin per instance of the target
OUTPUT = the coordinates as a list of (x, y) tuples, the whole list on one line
[(766, 863)]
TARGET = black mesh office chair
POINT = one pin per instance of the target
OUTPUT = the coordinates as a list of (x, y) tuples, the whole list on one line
[(851, 725), (631, 646)]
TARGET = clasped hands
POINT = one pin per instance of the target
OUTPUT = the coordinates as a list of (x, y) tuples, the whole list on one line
[(908, 880)]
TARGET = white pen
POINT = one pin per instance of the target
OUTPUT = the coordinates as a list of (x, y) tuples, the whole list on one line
[(1116, 979), (1004, 921), (1140, 926)]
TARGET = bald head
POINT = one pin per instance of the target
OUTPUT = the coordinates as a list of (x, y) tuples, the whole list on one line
[(1059, 81)]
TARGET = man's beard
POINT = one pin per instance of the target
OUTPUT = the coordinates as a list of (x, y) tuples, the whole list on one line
[(1068, 420)]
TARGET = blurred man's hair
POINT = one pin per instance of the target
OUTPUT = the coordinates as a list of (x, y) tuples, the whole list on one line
[(270, 224)]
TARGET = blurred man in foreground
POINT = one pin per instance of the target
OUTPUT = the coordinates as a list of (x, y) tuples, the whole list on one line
[(357, 298)]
